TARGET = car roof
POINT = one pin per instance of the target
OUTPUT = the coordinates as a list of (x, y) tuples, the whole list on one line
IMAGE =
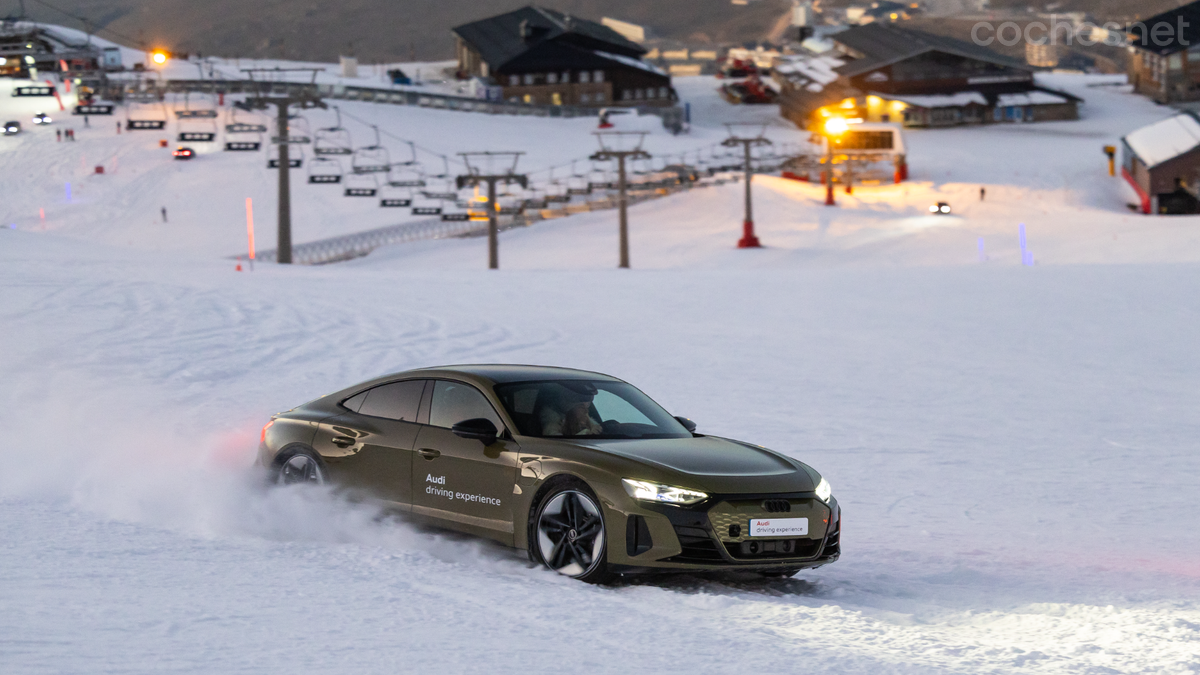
[(502, 373)]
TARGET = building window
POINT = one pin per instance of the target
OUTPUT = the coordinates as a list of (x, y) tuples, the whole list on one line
[(600, 96), (528, 79), (552, 78), (566, 76), (584, 77), (598, 76), (556, 98), (663, 92), (529, 98), (585, 98), (514, 80), (626, 94)]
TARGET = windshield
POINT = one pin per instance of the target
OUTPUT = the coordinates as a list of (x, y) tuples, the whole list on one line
[(594, 409)]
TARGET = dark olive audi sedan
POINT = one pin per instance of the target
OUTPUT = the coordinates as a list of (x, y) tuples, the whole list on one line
[(582, 470)]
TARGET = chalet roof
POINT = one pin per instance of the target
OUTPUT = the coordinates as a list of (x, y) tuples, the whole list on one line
[(1168, 139), (1185, 31), (884, 44), (500, 39)]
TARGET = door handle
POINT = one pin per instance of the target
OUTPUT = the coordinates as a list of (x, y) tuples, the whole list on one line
[(343, 442), (429, 453)]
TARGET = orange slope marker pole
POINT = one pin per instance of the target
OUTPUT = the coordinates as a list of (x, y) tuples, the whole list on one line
[(250, 229)]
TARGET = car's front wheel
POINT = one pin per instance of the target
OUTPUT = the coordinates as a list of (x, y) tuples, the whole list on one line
[(300, 467), (568, 535)]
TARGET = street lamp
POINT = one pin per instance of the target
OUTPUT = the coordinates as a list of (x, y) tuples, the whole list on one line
[(159, 57), (834, 128)]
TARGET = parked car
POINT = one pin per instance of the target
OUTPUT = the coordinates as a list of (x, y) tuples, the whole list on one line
[(12, 128)]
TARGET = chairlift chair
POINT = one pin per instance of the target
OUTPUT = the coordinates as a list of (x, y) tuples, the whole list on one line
[(244, 123), (295, 157), (323, 170), (334, 140), (361, 185), (393, 197), (577, 182), (404, 176), (372, 158), (144, 118), (202, 130), (197, 111), (556, 190)]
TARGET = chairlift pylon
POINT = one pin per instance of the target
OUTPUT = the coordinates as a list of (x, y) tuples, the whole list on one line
[(372, 158), (334, 140)]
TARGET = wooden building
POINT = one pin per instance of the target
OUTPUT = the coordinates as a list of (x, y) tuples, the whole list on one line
[(25, 45), (1164, 62), (538, 55), (1162, 163), (883, 73)]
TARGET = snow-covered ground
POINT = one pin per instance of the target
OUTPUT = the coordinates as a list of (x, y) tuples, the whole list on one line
[(1014, 447)]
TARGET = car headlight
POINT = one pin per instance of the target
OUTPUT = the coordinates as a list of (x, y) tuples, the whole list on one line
[(824, 491), (653, 492)]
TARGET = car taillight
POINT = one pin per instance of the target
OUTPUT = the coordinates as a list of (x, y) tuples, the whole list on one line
[(263, 438)]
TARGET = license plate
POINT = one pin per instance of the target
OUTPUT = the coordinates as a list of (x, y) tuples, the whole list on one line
[(779, 527)]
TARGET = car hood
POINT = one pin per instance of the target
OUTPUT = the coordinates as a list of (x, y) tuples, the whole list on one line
[(712, 464)]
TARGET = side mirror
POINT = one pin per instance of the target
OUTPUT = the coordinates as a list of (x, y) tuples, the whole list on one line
[(687, 424), (480, 429)]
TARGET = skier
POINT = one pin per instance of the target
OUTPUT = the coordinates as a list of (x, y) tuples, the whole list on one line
[(982, 193), (86, 123), (164, 214), (118, 128), (58, 135)]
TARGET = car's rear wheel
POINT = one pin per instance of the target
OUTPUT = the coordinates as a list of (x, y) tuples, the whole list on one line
[(300, 467), (567, 533)]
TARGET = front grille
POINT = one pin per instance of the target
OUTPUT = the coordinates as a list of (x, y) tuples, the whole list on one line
[(776, 505)]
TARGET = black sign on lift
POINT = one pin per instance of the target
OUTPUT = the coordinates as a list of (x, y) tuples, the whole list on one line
[(204, 136), (242, 146), (360, 192), (395, 202), (93, 109), (292, 163), (133, 125), (33, 91), (456, 216), (426, 210)]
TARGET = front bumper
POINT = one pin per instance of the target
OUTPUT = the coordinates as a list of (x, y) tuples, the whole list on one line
[(713, 535)]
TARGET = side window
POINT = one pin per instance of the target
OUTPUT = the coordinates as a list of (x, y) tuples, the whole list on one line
[(454, 402), (395, 401)]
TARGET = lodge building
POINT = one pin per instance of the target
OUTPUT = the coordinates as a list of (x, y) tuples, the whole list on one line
[(883, 73), (1165, 59), (541, 56)]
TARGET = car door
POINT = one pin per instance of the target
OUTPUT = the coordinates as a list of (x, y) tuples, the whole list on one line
[(460, 482), (369, 448)]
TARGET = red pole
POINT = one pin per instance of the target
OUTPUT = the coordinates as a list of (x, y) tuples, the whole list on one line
[(56, 96)]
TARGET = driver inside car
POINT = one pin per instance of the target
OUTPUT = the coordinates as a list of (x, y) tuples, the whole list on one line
[(566, 413)]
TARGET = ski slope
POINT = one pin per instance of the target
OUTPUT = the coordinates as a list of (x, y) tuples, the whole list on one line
[(1014, 447)]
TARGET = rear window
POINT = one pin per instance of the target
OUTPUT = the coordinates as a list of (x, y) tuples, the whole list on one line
[(395, 401)]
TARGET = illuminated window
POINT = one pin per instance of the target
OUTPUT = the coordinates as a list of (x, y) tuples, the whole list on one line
[(514, 80), (552, 78), (598, 76), (556, 98), (528, 79), (584, 77)]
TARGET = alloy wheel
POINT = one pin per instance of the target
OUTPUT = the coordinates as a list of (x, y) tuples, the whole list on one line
[(300, 469), (570, 533)]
